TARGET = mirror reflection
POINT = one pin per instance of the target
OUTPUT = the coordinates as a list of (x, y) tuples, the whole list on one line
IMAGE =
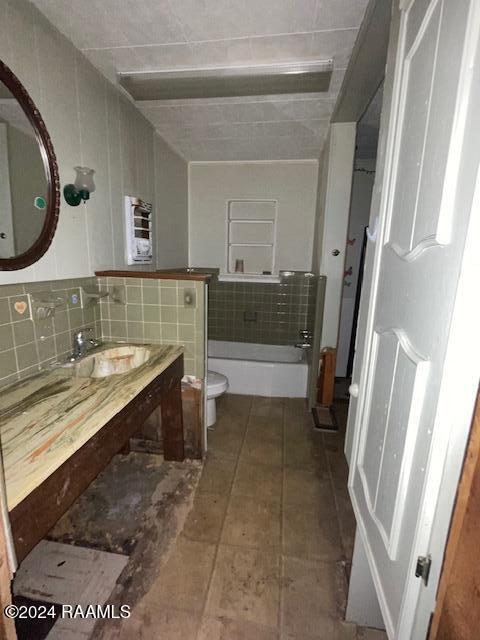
[(23, 180)]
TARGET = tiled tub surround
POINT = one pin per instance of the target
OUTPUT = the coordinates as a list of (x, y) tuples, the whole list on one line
[(153, 310), (28, 343), (262, 313)]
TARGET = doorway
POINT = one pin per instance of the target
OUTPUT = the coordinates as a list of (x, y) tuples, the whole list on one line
[(362, 185)]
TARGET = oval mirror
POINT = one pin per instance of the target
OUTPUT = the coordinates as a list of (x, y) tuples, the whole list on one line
[(29, 183)]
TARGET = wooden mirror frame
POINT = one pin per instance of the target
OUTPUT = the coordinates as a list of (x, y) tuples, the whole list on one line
[(41, 244)]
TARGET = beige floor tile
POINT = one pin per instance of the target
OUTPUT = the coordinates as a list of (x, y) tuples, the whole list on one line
[(217, 474), (309, 489), (296, 406), (183, 581), (245, 586), (252, 523), (265, 428), (205, 520), (308, 596), (258, 481), (297, 429), (231, 423), (268, 452), (225, 629), (308, 534), (233, 404), (225, 443), (268, 407), (305, 453), (155, 623)]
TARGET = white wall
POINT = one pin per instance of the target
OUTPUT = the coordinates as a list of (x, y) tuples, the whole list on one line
[(90, 123), (333, 204), (212, 184), (171, 206), (323, 167), (359, 213), (313, 367)]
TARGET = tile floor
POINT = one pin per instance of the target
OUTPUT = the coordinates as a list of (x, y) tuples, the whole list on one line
[(263, 552)]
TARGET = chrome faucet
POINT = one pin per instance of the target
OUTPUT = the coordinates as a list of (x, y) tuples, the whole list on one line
[(81, 343)]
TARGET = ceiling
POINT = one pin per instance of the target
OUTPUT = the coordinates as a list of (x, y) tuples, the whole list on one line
[(158, 35)]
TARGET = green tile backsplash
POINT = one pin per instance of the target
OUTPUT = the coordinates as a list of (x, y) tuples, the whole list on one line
[(151, 310), (147, 310), (29, 341), (265, 313), (136, 310)]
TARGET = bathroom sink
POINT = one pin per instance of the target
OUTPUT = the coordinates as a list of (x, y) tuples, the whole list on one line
[(108, 362)]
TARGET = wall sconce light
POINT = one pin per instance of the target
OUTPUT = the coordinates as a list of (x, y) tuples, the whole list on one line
[(81, 189)]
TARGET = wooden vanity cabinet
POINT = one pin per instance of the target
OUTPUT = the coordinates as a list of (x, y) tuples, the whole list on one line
[(33, 518)]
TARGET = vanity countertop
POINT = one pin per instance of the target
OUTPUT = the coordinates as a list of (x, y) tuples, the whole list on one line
[(46, 418)]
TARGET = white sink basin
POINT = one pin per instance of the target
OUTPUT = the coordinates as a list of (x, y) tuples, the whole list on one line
[(108, 362)]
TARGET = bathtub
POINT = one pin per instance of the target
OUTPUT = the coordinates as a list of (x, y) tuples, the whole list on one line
[(260, 369)]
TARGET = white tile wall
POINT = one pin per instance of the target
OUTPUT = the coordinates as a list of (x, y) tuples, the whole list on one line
[(90, 123)]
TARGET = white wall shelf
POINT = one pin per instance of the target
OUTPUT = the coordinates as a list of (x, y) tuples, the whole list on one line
[(251, 235), (251, 244)]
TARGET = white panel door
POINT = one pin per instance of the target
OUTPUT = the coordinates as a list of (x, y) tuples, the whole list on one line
[(419, 249)]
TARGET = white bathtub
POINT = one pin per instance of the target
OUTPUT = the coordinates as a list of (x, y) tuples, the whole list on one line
[(260, 369)]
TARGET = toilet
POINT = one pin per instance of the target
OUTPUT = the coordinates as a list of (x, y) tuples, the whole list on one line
[(216, 385)]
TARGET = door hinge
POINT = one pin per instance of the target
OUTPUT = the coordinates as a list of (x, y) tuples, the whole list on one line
[(422, 570)]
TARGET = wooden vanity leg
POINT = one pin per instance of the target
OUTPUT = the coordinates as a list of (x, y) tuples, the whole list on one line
[(172, 422)]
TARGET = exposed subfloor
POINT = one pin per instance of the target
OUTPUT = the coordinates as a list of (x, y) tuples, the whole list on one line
[(136, 507), (265, 551)]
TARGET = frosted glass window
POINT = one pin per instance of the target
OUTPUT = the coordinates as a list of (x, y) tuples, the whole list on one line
[(251, 235)]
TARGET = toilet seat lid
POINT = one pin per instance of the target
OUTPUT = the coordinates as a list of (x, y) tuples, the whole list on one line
[(216, 380)]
